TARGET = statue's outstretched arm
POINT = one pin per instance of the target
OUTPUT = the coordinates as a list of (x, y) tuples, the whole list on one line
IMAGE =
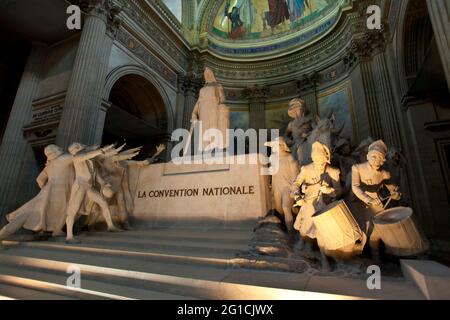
[(93, 154)]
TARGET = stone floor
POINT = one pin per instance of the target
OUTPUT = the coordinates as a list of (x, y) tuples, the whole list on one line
[(169, 264)]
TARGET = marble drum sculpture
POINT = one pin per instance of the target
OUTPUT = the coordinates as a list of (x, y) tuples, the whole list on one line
[(108, 186)]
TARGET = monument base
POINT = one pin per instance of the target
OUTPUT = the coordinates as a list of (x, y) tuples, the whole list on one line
[(230, 195)]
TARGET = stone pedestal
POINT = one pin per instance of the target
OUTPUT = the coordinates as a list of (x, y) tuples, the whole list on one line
[(432, 278), (210, 195)]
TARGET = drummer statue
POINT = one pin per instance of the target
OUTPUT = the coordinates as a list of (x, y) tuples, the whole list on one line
[(368, 180), (315, 187)]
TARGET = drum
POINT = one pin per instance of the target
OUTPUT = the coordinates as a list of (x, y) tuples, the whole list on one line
[(399, 232), (338, 232)]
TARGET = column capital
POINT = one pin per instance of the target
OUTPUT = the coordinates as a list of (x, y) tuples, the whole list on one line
[(107, 10), (190, 83), (366, 45)]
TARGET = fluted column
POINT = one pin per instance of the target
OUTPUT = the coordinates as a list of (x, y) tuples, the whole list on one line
[(103, 72), (14, 147), (83, 100), (370, 49), (370, 89), (257, 106), (386, 102), (439, 11)]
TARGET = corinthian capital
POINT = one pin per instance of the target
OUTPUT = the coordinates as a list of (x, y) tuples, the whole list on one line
[(106, 9), (368, 45)]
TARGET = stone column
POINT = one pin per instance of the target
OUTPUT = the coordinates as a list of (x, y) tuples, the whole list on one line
[(439, 11), (14, 148), (257, 106), (111, 33), (83, 100), (180, 103), (370, 50), (386, 102), (191, 86), (361, 51), (101, 117), (370, 89)]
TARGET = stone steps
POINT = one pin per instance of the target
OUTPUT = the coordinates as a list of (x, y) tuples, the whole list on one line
[(177, 257), (121, 282), (198, 234), (151, 265), (182, 245), (54, 284)]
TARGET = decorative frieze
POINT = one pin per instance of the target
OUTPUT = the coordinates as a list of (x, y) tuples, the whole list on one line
[(255, 93), (146, 56)]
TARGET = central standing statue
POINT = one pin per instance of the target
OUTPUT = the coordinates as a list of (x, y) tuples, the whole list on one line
[(210, 109)]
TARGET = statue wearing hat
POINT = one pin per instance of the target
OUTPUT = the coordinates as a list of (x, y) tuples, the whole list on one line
[(368, 180), (46, 211), (298, 129), (318, 184)]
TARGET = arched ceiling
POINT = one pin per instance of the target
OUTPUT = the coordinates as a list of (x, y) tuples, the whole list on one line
[(255, 29)]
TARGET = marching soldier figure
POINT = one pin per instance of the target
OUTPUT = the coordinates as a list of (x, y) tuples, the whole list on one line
[(367, 181)]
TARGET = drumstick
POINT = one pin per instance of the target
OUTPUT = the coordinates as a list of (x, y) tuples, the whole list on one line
[(387, 203)]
